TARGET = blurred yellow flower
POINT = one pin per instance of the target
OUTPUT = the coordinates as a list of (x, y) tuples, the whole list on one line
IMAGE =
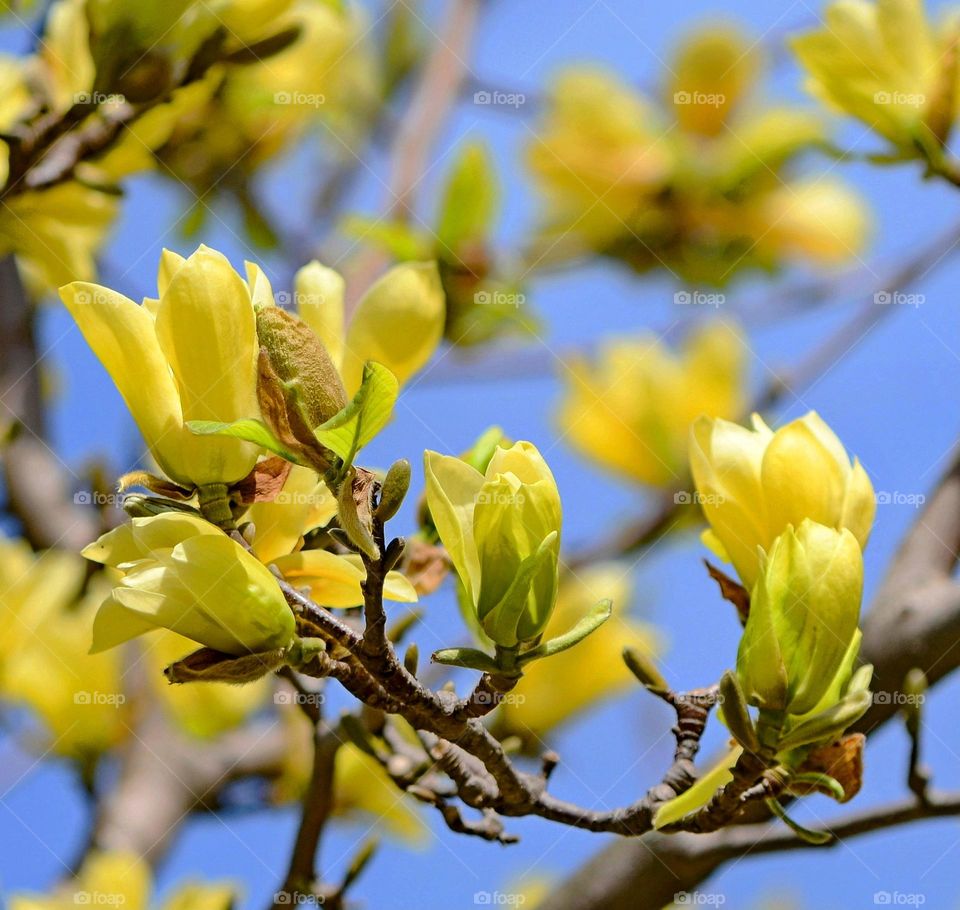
[(201, 709), (702, 198), (78, 696), (334, 580), (121, 879), (554, 691), (30, 585), (361, 785), (631, 410), (600, 154), (711, 71), (753, 483), (191, 355)]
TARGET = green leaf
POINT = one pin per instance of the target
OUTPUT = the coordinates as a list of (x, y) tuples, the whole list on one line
[(249, 429), (827, 724), (811, 837), (471, 658), (592, 621), (401, 241), (469, 200), (352, 428)]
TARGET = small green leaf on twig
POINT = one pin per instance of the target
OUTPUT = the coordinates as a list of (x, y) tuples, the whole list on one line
[(471, 658), (597, 616)]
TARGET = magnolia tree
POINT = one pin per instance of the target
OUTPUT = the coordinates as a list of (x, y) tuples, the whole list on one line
[(229, 633)]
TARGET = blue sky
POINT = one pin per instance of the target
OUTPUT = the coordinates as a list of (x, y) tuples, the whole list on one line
[(891, 399)]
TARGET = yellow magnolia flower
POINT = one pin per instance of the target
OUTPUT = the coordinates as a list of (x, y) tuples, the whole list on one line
[(78, 696), (181, 573), (334, 580), (328, 74), (121, 879), (753, 483), (501, 530), (556, 690), (885, 64), (56, 233), (803, 618), (64, 66), (191, 355), (632, 410), (201, 709), (599, 154), (398, 322), (303, 504)]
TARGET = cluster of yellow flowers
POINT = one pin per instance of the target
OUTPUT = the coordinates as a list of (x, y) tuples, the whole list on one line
[(699, 183), (191, 355), (98, 60), (792, 514)]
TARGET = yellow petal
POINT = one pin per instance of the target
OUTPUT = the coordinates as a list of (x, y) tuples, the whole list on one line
[(121, 334), (319, 299), (334, 580), (261, 293), (303, 504), (206, 328), (399, 323), (452, 490)]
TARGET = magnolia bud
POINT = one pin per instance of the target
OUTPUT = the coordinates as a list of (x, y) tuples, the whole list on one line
[(300, 360)]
